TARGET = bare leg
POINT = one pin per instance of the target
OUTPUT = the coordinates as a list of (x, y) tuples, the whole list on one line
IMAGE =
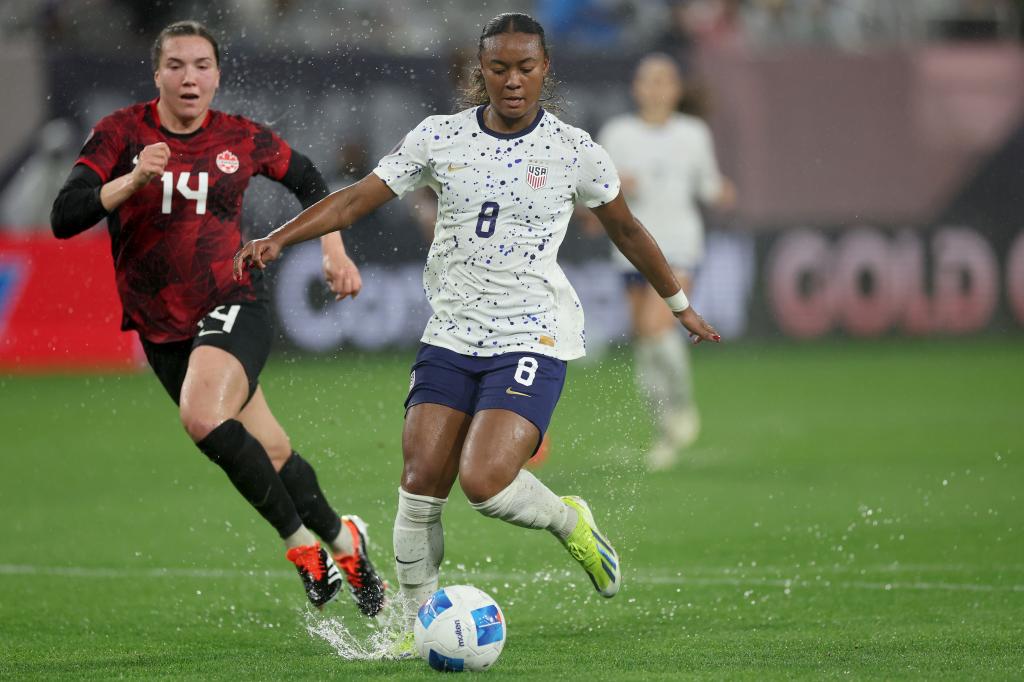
[(431, 442), (492, 475), (214, 391)]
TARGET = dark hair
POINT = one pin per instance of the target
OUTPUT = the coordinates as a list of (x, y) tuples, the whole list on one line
[(475, 93), (182, 28), (695, 98)]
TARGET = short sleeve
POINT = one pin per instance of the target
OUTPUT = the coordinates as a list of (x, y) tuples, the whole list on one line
[(103, 147), (709, 179), (406, 168), (598, 182), (271, 155)]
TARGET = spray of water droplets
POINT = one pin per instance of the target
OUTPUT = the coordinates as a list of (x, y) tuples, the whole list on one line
[(358, 640)]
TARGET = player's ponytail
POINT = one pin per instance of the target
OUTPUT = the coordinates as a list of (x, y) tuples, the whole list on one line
[(475, 93)]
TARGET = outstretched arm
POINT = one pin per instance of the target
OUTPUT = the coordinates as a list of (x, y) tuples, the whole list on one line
[(637, 245), (308, 185), (337, 211)]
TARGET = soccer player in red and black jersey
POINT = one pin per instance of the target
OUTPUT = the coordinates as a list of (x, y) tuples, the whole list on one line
[(168, 176)]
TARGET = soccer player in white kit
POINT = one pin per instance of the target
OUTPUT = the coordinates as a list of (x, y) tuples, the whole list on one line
[(488, 375), (667, 165)]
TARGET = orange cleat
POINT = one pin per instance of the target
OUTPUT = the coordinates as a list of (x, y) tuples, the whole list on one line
[(364, 583), (319, 574)]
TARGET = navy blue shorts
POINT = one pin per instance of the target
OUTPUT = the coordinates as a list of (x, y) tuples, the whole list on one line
[(632, 278), (525, 383)]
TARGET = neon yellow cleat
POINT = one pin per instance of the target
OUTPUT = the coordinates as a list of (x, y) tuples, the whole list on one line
[(588, 546)]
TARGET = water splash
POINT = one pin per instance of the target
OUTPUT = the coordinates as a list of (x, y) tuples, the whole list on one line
[(356, 638)]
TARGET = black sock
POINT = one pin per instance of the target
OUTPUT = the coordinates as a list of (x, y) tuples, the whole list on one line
[(314, 510), (248, 466)]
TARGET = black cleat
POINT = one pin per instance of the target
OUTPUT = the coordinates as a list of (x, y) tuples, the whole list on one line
[(364, 583), (320, 576)]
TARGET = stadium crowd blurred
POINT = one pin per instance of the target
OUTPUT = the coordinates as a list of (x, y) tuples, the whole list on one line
[(585, 25), (616, 30), (634, 26)]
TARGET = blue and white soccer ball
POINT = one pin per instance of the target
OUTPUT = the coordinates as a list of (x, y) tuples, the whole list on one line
[(460, 628)]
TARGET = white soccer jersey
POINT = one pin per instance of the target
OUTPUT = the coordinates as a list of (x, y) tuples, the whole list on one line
[(674, 166), (504, 202)]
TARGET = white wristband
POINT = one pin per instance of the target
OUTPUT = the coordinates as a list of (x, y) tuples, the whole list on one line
[(678, 302)]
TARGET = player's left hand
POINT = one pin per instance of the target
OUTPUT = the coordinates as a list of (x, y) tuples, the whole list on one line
[(341, 274), (257, 253), (698, 328)]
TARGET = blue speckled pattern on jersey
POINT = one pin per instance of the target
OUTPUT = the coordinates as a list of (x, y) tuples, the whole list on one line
[(491, 275)]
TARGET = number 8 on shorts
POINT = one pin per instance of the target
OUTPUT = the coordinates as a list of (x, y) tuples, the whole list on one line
[(526, 371)]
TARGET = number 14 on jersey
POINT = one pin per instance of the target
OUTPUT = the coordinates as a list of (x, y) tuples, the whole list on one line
[(197, 195)]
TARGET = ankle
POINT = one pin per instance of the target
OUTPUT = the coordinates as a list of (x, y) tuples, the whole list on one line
[(568, 525), (300, 538)]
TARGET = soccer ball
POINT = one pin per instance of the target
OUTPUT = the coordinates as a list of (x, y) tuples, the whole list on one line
[(460, 628)]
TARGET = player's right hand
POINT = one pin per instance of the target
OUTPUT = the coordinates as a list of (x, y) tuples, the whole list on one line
[(256, 253), (151, 163)]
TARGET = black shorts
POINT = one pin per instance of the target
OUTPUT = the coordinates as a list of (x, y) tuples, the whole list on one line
[(243, 329)]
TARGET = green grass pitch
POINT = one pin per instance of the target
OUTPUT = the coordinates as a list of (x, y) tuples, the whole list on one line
[(852, 510)]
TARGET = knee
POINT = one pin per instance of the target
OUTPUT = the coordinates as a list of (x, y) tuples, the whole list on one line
[(480, 488), (419, 477), (419, 480), (199, 424)]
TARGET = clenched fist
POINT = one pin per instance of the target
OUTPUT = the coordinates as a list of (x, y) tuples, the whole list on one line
[(151, 163)]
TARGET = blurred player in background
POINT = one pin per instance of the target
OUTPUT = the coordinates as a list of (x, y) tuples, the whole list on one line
[(168, 175), (666, 161), (492, 365)]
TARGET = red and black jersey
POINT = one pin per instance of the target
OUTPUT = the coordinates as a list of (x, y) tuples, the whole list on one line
[(173, 241)]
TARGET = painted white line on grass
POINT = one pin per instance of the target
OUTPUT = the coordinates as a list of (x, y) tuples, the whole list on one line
[(844, 584), (643, 578)]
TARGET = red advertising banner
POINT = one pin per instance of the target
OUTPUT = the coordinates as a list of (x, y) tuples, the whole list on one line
[(863, 281), (59, 308)]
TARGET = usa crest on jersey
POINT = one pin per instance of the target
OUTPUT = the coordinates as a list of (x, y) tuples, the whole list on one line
[(536, 175)]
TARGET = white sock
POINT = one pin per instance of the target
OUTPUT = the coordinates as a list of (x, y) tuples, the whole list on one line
[(673, 357), (663, 376), (300, 538), (651, 379), (419, 548), (529, 503)]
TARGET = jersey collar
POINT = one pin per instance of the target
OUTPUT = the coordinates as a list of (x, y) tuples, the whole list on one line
[(507, 136), (156, 117)]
